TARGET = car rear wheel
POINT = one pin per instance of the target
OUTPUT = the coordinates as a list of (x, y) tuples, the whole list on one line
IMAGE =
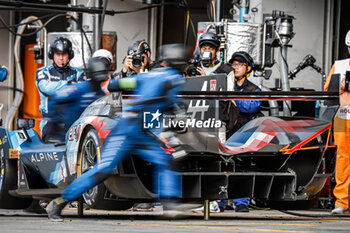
[(8, 181), (98, 197)]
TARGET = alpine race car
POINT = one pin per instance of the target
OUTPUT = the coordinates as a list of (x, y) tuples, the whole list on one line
[(276, 160)]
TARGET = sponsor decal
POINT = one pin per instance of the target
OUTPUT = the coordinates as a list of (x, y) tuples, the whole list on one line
[(13, 154), (344, 113), (212, 85), (55, 78), (74, 133), (41, 157)]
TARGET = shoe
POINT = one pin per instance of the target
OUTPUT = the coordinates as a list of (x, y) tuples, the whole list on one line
[(55, 208), (222, 209), (35, 207), (213, 208), (338, 210), (143, 207), (241, 208)]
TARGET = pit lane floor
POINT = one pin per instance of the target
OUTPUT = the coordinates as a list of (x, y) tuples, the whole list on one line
[(155, 221)]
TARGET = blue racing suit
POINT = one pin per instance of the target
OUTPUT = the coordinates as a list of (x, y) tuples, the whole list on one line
[(68, 104), (50, 79), (156, 91)]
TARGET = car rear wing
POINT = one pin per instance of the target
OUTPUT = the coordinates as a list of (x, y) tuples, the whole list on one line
[(330, 97), (197, 89)]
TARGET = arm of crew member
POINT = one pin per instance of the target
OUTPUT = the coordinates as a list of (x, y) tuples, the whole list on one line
[(49, 87), (248, 106), (122, 84)]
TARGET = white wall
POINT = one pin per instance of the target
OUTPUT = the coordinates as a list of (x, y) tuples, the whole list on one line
[(130, 27), (308, 39)]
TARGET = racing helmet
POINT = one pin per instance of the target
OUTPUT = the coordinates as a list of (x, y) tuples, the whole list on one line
[(242, 56), (175, 55), (97, 69), (347, 38), (106, 55), (209, 38), (61, 45)]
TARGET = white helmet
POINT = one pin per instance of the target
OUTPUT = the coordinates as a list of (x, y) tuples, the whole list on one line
[(347, 38), (104, 53)]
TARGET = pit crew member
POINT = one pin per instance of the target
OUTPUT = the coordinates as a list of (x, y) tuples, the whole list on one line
[(341, 127)]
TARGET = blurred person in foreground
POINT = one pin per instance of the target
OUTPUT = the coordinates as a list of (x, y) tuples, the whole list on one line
[(156, 92), (70, 102)]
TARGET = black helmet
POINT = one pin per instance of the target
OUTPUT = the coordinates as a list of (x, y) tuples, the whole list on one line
[(209, 38), (61, 45), (242, 56), (97, 69), (175, 55), (139, 46)]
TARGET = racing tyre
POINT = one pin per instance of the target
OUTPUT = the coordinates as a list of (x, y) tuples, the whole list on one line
[(98, 197), (8, 181)]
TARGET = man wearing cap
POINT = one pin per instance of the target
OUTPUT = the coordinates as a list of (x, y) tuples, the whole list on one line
[(342, 134), (209, 44), (138, 59), (243, 64)]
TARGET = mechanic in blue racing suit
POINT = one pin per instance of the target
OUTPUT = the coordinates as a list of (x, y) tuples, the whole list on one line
[(69, 103), (156, 91), (50, 79)]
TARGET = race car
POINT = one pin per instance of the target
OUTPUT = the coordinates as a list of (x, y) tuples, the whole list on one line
[(276, 160)]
